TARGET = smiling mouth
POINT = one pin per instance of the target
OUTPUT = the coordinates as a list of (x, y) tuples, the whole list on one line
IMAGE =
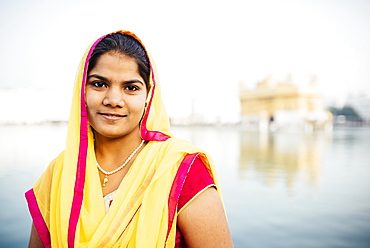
[(112, 116)]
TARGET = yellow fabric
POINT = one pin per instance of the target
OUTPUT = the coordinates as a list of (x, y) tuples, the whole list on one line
[(138, 216)]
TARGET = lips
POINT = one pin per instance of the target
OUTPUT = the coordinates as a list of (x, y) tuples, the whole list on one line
[(112, 116)]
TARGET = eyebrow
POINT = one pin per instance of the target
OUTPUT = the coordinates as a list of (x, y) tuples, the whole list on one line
[(98, 77), (106, 79)]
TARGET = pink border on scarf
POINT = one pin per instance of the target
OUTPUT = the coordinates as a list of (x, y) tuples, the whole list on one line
[(38, 219), (82, 154), (145, 133), (176, 188)]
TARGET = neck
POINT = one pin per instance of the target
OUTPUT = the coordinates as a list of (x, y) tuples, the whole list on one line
[(114, 151)]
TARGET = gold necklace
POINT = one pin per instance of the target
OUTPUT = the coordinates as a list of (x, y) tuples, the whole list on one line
[(106, 173)]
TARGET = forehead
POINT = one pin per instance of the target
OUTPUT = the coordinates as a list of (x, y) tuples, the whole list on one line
[(115, 63), (115, 57)]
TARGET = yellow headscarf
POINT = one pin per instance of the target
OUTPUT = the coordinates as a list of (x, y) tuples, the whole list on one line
[(67, 205)]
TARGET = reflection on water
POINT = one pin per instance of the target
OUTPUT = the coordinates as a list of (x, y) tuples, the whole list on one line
[(280, 190), (286, 157)]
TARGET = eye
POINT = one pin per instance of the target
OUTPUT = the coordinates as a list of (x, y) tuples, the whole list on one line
[(99, 84), (131, 88)]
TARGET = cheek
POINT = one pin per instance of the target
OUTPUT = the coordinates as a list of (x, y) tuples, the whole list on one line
[(139, 102), (91, 98), (87, 97), (140, 106), (90, 103)]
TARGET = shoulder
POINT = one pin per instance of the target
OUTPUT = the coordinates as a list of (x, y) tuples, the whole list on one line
[(173, 148), (56, 162), (46, 178), (197, 180), (190, 154), (203, 222)]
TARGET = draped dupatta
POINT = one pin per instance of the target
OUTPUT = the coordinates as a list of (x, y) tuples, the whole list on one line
[(66, 203)]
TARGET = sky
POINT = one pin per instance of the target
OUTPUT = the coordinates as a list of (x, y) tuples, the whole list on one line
[(204, 50)]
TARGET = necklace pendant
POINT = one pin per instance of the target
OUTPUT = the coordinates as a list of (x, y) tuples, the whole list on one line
[(105, 180)]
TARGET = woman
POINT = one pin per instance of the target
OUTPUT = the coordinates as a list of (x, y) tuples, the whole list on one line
[(123, 180)]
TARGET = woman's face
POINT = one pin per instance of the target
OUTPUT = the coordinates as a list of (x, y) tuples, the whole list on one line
[(115, 96)]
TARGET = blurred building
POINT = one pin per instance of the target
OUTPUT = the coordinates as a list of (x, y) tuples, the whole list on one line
[(279, 106)]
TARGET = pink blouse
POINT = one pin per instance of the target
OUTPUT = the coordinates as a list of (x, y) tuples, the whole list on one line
[(197, 180)]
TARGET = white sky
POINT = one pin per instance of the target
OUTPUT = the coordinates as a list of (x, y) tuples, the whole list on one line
[(202, 49)]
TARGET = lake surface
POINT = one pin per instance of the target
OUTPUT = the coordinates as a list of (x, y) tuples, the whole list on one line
[(280, 190)]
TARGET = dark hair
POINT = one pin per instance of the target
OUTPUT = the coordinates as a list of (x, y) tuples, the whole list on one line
[(124, 44)]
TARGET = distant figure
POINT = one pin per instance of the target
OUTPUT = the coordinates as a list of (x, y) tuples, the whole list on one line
[(123, 180)]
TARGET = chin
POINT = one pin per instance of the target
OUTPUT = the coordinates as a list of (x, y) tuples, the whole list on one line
[(117, 133), (113, 135)]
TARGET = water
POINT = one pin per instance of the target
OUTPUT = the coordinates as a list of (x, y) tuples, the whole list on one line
[(280, 190)]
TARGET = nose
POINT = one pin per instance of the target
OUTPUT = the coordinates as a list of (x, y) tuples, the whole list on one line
[(114, 97)]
